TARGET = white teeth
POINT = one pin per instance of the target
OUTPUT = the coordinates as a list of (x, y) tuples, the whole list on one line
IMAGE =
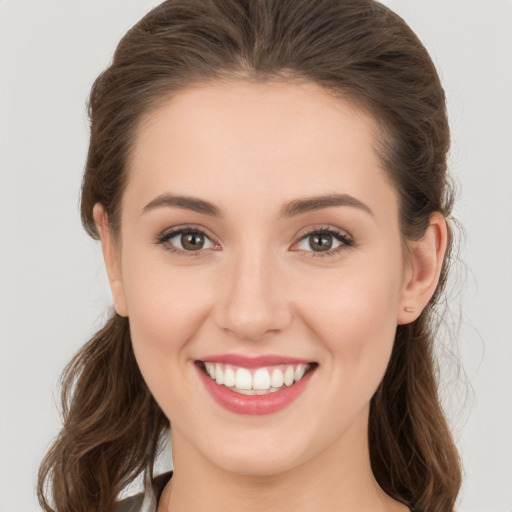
[(246, 391), (210, 369), (261, 379), (255, 391), (219, 374), (289, 376), (243, 379), (229, 378), (277, 379), (299, 372)]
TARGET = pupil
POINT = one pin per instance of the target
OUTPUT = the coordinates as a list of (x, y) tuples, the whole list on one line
[(192, 241), (321, 242)]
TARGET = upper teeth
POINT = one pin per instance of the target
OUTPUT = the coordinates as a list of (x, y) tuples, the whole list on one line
[(258, 380)]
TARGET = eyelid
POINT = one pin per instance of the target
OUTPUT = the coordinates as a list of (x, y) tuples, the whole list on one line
[(165, 236), (346, 240)]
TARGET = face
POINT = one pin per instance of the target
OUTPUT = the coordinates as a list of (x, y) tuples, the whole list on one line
[(259, 233)]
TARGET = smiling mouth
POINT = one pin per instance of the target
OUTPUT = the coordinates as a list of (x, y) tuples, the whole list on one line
[(255, 381)]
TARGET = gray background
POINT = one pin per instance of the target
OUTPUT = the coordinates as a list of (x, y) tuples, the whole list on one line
[(53, 289)]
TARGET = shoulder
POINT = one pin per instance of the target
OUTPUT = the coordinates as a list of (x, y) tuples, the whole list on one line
[(134, 503)]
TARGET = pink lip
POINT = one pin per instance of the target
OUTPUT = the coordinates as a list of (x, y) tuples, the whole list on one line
[(253, 404), (253, 362)]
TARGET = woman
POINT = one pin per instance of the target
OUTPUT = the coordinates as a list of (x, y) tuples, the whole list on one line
[(268, 182)]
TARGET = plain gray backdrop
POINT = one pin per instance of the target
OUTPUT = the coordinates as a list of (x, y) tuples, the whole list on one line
[(53, 287)]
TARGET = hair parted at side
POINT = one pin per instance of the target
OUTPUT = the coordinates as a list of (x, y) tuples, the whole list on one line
[(357, 49)]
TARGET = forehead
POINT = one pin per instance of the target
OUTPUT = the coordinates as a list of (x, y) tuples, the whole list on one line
[(274, 140)]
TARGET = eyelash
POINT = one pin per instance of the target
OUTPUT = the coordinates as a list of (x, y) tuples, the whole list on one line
[(346, 241), (167, 235)]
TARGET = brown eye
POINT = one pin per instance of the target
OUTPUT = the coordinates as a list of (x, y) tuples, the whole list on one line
[(324, 242), (186, 241), (320, 242), (191, 241)]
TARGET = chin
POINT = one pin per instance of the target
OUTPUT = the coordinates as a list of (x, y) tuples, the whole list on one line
[(257, 453), (258, 464)]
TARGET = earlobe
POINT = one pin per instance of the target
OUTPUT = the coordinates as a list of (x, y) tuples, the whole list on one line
[(426, 260), (111, 258)]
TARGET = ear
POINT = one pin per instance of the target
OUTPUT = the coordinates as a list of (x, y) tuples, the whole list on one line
[(423, 269), (111, 255)]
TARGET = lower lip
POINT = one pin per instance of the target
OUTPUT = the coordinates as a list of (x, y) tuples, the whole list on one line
[(254, 404)]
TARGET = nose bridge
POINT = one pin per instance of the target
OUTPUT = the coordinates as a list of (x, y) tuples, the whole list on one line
[(254, 301)]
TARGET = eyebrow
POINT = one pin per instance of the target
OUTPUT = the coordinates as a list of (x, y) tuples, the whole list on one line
[(292, 209), (185, 202), (300, 206)]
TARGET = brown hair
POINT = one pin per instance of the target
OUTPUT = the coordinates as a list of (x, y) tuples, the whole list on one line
[(356, 49)]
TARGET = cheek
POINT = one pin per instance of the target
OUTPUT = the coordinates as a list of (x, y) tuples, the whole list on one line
[(355, 320), (166, 308)]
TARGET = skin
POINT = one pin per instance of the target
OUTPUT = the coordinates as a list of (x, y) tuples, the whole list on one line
[(257, 288)]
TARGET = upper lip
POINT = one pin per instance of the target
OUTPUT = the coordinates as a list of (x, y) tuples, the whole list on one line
[(253, 362)]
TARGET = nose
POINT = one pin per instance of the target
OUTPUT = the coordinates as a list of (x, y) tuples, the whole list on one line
[(253, 303)]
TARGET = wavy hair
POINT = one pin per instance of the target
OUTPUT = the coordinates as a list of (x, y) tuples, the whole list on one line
[(358, 50)]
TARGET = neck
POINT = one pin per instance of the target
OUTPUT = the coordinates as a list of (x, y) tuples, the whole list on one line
[(338, 479)]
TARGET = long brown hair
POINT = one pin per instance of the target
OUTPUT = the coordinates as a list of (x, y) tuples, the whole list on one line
[(356, 49)]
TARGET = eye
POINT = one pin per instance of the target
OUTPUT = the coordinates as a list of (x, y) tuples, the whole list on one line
[(186, 241), (324, 242)]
